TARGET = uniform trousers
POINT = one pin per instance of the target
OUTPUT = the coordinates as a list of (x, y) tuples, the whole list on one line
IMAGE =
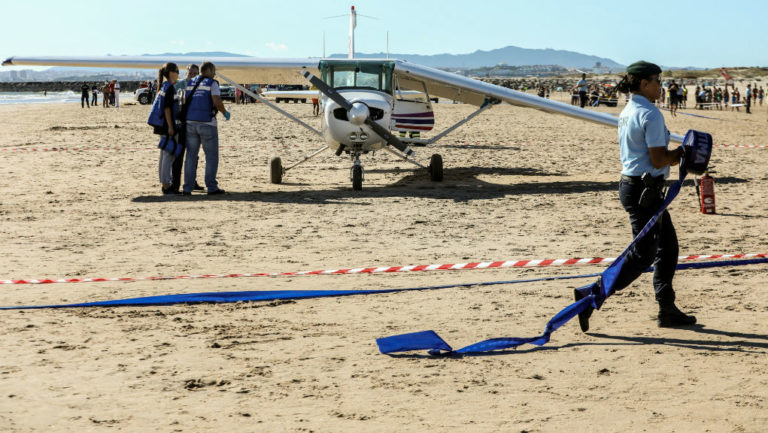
[(659, 247)]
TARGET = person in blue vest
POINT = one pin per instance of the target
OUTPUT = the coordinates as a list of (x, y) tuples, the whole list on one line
[(164, 117), (645, 160), (203, 97), (178, 165)]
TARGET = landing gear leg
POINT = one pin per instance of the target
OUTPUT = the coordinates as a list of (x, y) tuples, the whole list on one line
[(356, 174)]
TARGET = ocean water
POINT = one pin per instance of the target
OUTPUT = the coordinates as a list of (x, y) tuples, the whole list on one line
[(39, 98)]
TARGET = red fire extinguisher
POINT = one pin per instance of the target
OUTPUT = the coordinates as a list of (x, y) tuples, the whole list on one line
[(707, 196)]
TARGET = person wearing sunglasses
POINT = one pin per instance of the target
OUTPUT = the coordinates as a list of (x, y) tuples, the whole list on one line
[(164, 117), (645, 160)]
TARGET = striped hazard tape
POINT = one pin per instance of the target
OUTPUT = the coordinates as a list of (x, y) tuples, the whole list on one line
[(743, 146), (135, 149), (385, 269), (81, 149)]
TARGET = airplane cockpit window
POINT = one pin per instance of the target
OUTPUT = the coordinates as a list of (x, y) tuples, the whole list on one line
[(342, 78), (358, 75)]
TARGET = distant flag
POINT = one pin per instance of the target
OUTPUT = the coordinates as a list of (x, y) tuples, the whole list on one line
[(726, 75)]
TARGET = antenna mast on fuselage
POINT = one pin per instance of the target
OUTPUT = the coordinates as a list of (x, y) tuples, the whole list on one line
[(352, 25)]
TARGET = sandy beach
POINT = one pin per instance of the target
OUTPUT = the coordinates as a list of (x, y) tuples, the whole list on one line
[(519, 184)]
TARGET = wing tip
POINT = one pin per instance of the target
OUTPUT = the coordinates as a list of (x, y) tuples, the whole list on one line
[(8, 61)]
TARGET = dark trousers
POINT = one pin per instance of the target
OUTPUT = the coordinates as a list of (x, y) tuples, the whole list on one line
[(658, 247), (748, 103), (583, 98), (84, 101), (176, 171)]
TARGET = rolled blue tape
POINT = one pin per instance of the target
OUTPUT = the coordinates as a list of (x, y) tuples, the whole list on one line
[(698, 150)]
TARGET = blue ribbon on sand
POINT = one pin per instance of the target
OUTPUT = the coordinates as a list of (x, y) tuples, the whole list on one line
[(594, 295)]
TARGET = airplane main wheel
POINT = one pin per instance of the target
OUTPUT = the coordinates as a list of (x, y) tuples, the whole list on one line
[(436, 168), (357, 178), (275, 170)]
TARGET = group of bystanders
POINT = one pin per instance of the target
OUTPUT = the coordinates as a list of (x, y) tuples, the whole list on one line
[(184, 114)]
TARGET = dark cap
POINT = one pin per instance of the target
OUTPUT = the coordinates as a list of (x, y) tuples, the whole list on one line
[(643, 69)]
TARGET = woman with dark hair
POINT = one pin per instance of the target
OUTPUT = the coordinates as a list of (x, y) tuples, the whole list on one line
[(645, 160), (164, 117)]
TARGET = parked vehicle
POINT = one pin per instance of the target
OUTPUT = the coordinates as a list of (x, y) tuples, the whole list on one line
[(227, 93), (291, 87), (141, 95)]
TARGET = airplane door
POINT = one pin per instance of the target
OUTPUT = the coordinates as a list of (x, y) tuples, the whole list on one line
[(412, 110)]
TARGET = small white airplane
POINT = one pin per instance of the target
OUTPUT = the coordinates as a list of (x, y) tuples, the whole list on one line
[(363, 100)]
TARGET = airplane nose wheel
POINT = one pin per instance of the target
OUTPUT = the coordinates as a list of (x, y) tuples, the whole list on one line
[(356, 175), (436, 168)]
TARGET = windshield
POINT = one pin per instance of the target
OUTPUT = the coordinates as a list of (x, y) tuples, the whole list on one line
[(353, 74)]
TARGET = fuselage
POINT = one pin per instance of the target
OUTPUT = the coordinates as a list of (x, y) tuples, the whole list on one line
[(339, 129)]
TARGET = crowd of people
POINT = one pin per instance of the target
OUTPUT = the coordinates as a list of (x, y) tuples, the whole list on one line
[(184, 115), (89, 94), (673, 95), (721, 98)]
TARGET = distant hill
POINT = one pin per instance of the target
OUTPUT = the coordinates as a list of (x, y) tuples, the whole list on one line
[(511, 55)]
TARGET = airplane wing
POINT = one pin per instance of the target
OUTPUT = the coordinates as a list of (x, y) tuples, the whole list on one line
[(240, 69), (410, 76), (291, 94), (475, 92)]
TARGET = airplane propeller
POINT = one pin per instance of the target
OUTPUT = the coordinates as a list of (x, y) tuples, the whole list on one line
[(358, 113)]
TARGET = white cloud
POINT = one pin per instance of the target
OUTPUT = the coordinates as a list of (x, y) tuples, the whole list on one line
[(274, 46), (177, 42)]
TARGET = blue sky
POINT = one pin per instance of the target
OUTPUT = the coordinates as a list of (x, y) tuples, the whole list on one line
[(703, 33)]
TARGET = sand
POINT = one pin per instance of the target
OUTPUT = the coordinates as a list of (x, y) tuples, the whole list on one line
[(519, 184)]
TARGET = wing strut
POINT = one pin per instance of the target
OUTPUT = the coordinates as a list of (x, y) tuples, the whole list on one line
[(269, 104), (488, 104)]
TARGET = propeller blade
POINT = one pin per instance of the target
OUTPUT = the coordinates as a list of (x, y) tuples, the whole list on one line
[(327, 90), (337, 98), (388, 137)]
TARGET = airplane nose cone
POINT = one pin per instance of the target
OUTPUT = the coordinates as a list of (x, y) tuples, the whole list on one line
[(358, 113)]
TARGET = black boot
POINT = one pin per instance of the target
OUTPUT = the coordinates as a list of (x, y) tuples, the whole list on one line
[(584, 315), (587, 313), (671, 317)]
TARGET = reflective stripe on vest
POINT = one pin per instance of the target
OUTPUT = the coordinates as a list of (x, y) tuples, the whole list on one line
[(200, 103)]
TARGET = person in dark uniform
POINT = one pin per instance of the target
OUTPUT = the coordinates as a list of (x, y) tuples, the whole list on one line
[(85, 96), (583, 86), (645, 160)]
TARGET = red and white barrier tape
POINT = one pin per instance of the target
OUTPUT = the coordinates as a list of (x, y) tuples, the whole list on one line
[(385, 269), (80, 149), (743, 146), (134, 149)]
